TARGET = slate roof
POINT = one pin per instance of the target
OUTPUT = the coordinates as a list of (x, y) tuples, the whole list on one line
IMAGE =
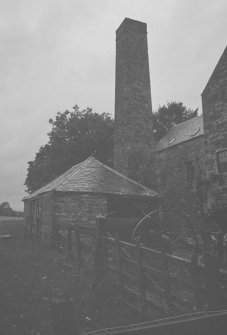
[(185, 131), (92, 176)]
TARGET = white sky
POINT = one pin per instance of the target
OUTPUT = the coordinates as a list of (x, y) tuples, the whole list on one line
[(55, 54)]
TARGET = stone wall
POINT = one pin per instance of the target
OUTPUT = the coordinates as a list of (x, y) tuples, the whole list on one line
[(39, 216), (214, 101), (79, 208), (53, 208), (178, 189), (46, 205)]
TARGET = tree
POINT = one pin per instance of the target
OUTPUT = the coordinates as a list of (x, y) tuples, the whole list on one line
[(166, 117), (6, 210), (78, 134), (169, 115), (74, 136)]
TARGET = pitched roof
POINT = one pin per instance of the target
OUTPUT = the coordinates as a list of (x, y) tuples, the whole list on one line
[(185, 131), (92, 176)]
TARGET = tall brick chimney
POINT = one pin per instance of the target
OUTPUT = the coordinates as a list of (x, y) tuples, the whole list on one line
[(133, 139)]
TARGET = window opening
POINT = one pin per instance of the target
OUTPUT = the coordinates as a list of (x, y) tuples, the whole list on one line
[(196, 132), (170, 142)]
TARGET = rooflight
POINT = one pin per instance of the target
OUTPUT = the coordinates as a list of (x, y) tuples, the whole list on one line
[(196, 132), (170, 142)]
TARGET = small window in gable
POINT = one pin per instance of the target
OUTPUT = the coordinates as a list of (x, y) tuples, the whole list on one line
[(195, 132), (190, 171), (222, 161), (173, 140)]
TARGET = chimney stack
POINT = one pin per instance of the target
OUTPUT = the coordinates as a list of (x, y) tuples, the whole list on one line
[(133, 138)]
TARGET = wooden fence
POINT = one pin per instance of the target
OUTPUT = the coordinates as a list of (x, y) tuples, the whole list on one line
[(78, 242), (153, 281), (193, 324)]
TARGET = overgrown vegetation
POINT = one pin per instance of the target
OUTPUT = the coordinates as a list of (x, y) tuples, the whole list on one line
[(6, 210), (169, 115), (74, 136), (31, 276), (77, 134)]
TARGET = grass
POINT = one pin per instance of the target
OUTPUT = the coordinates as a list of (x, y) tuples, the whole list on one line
[(32, 275)]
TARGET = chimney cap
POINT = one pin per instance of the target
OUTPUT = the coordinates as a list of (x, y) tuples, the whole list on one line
[(131, 25)]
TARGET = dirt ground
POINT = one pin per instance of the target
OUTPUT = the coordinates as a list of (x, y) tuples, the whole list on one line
[(31, 276)]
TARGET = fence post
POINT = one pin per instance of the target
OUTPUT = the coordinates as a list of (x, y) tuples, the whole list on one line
[(120, 261), (220, 248), (100, 250), (198, 289), (55, 229), (166, 274), (70, 254), (26, 227), (58, 238), (30, 226), (78, 249), (142, 287), (38, 226), (214, 295)]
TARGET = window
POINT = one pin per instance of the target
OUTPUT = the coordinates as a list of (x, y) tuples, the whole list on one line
[(195, 132), (222, 161), (173, 140), (190, 171)]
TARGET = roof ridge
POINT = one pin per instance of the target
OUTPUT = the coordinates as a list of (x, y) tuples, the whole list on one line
[(71, 174), (194, 117), (125, 177)]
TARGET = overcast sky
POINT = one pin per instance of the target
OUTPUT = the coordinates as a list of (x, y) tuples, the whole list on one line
[(58, 53)]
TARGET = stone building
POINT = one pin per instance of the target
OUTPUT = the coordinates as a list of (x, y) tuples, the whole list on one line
[(81, 194), (189, 164)]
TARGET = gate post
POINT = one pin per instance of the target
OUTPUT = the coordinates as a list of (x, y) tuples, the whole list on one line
[(100, 250), (166, 275)]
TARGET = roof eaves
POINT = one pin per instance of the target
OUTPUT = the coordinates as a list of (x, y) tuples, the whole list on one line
[(30, 197), (53, 188), (128, 179), (175, 144), (123, 195)]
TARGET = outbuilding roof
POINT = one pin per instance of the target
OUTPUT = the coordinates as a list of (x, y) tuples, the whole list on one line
[(92, 176), (185, 131)]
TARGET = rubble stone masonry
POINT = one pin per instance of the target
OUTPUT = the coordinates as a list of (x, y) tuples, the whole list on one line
[(214, 101), (79, 208), (178, 191), (134, 142)]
